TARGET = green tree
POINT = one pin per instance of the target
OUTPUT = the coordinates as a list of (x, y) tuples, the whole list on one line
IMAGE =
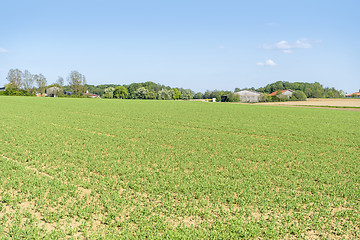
[(15, 78), (198, 95), (265, 97), (217, 94), (77, 83), (233, 97), (132, 89), (10, 90), (141, 93), (207, 94), (186, 94), (316, 93), (151, 95), (261, 90), (121, 92), (40, 82), (298, 96), (28, 82), (175, 93), (164, 94), (342, 94), (109, 92)]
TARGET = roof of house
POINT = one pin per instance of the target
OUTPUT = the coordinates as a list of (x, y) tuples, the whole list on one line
[(282, 91), (356, 93), (251, 91), (91, 94)]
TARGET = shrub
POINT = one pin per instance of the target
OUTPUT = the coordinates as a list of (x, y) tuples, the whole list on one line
[(298, 96), (233, 97)]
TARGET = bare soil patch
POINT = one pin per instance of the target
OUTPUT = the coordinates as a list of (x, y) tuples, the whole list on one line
[(347, 104)]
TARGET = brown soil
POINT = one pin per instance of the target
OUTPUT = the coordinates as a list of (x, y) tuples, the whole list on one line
[(348, 103)]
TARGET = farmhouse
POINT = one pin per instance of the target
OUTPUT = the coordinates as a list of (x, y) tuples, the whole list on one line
[(91, 95), (286, 92), (53, 91), (354, 95), (249, 96)]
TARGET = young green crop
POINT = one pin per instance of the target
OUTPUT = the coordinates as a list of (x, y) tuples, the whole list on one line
[(92, 168)]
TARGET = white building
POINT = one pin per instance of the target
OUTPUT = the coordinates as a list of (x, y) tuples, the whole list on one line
[(249, 96)]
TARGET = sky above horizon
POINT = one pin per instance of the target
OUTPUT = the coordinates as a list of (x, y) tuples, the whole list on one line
[(190, 44)]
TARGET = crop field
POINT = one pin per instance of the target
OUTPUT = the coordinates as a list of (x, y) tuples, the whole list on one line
[(96, 168)]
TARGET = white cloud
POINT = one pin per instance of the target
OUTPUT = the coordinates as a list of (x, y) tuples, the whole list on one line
[(303, 43), (287, 47), (268, 62), (221, 47), (3, 50)]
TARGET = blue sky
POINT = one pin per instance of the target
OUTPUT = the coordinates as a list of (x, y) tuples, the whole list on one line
[(191, 44)]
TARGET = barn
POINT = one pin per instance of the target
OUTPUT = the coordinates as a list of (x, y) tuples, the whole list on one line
[(53, 91), (249, 96)]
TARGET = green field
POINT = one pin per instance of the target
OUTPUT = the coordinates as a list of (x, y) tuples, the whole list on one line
[(92, 168)]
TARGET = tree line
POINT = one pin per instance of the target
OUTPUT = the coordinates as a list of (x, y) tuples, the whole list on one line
[(24, 83), (146, 90), (311, 90)]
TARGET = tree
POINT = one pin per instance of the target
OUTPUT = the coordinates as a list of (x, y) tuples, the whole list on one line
[(15, 78), (41, 82), (175, 93), (28, 82), (151, 95), (198, 95), (186, 94), (207, 94), (120, 92), (264, 97), (342, 94), (141, 93), (233, 97), (132, 89), (298, 96), (77, 83), (217, 94), (316, 93), (11, 91), (60, 81), (164, 94), (109, 92)]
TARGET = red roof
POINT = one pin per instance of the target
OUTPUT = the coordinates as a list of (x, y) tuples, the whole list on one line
[(357, 94), (274, 93), (91, 94)]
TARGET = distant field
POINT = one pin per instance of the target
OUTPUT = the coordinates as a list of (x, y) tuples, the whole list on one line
[(323, 102), (91, 168)]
